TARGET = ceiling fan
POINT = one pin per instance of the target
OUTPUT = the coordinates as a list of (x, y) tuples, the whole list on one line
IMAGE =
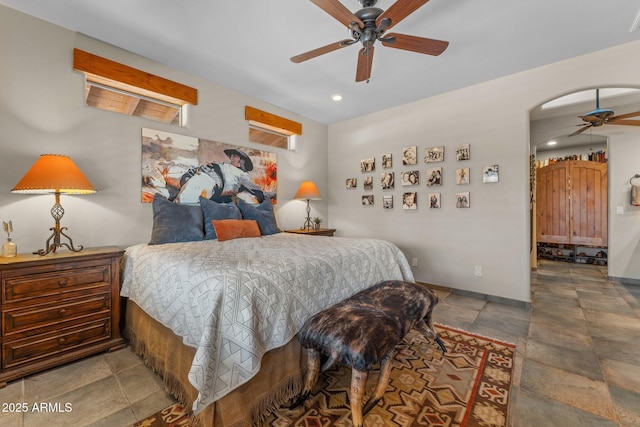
[(599, 117), (370, 24)]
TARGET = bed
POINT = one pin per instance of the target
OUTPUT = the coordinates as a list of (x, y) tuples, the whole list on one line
[(217, 319)]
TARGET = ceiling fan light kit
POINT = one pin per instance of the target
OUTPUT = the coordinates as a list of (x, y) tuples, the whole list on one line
[(370, 24)]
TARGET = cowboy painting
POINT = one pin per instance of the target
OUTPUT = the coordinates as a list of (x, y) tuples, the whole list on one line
[(185, 168)]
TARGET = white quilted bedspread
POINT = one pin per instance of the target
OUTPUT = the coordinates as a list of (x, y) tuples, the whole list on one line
[(235, 300)]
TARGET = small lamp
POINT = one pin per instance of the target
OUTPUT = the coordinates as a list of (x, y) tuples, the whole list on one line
[(57, 174), (307, 191)]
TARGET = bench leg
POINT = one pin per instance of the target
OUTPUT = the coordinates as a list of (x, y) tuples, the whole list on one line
[(429, 331), (311, 378), (383, 382), (356, 395)]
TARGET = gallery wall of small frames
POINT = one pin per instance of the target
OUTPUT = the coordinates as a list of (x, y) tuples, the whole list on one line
[(417, 180)]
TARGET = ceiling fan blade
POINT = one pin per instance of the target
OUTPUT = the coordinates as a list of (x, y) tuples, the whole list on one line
[(582, 129), (624, 122), (338, 11), (624, 116), (400, 10), (365, 60), (415, 44), (321, 51)]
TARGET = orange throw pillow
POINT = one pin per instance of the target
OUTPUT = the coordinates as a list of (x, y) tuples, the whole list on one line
[(228, 229)]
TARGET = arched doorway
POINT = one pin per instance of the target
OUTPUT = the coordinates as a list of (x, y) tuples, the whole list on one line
[(551, 125)]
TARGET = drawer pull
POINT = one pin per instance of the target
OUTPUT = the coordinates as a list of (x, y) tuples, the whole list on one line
[(62, 312), (62, 341), (62, 282)]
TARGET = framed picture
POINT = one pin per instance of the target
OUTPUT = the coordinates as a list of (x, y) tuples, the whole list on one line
[(183, 168), (490, 174), (434, 200), (462, 200), (410, 155), (351, 182), (367, 200), (411, 178), (434, 154), (368, 183), (434, 177), (368, 165), (410, 200), (387, 201), (462, 176), (463, 152), (387, 161), (387, 180)]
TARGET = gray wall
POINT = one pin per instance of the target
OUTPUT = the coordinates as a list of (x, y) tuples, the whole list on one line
[(42, 110), (492, 117)]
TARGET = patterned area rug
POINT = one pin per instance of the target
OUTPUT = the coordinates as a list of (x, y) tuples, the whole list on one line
[(469, 386), (173, 416)]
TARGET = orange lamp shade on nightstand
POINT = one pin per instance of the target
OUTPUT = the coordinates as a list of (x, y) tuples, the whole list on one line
[(307, 191), (57, 174)]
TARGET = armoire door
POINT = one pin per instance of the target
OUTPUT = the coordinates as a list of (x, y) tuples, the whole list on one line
[(588, 203), (552, 204)]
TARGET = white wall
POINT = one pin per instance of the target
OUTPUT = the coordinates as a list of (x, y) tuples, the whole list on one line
[(492, 117), (42, 111)]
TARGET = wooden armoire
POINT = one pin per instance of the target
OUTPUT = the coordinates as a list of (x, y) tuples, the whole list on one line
[(571, 203)]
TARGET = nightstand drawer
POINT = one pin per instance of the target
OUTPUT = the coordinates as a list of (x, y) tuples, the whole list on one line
[(49, 316), (24, 286), (32, 349)]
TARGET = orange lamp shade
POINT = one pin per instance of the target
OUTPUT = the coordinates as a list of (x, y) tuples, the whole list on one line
[(54, 173), (308, 191)]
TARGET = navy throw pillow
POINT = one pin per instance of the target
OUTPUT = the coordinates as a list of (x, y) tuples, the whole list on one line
[(173, 222), (262, 213), (216, 211)]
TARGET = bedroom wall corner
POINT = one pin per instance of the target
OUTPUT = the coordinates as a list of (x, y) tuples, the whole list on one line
[(494, 233), (42, 110)]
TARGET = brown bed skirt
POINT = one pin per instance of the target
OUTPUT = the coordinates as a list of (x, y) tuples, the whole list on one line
[(278, 381)]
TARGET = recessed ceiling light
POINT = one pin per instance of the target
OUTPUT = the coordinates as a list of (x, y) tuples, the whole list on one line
[(552, 142), (337, 97)]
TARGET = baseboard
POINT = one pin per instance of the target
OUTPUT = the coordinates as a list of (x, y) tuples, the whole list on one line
[(478, 295), (624, 280)]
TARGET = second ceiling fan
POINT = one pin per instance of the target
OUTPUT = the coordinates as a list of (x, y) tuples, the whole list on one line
[(370, 24), (600, 117)]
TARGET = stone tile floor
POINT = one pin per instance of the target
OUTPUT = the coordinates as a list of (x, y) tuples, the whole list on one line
[(577, 364), (578, 346)]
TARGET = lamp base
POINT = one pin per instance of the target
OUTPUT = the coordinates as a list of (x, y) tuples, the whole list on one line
[(51, 247), (307, 223), (57, 212)]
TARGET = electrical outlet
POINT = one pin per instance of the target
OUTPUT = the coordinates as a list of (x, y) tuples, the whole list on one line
[(619, 210), (478, 270), (414, 262)]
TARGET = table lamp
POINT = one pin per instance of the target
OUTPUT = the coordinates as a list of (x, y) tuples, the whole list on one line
[(307, 191), (57, 174)]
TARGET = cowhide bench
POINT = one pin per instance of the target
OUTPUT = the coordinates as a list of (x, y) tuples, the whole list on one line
[(363, 330)]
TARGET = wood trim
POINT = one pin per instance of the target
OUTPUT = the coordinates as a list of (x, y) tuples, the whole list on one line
[(111, 73), (268, 120)]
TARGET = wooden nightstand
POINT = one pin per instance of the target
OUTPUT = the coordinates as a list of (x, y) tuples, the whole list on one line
[(58, 308), (318, 232)]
